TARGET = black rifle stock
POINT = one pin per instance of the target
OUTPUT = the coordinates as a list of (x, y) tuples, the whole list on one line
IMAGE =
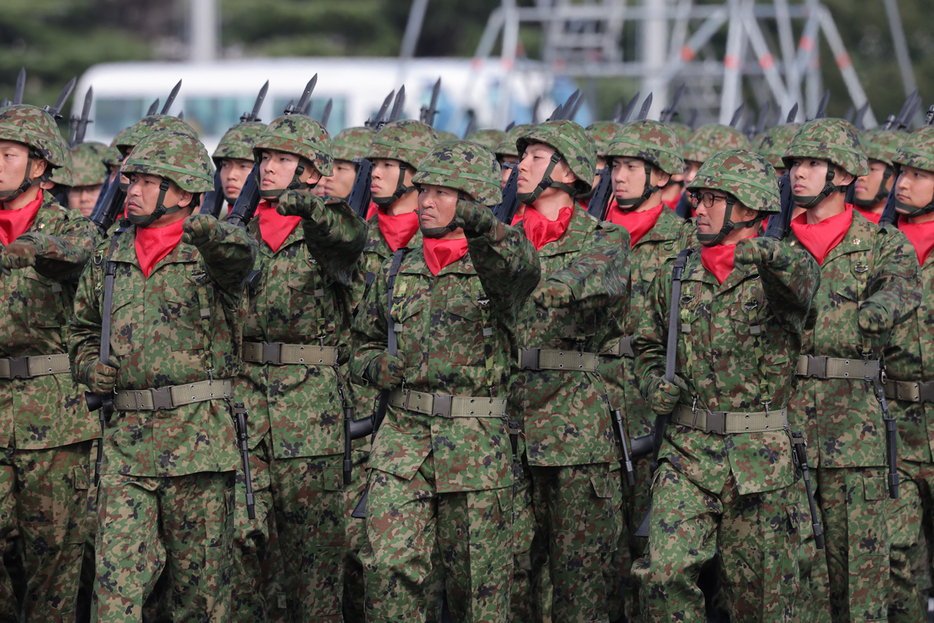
[(801, 458), (109, 205), (602, 194), (243, 442), (506, 211), (245, 206), (213, 201)]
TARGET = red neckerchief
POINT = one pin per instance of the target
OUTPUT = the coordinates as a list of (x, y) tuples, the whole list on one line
[(872, 216), (14, 223), (637, 224), (273, 227), (154, 243), (440, 252), (517, 218), (540, 231), (718, 259), (371, 211), (920, 235), (397, 229), (821, 238)]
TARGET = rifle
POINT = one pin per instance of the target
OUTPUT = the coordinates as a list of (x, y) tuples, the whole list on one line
[(506, 210), (603, 193), (109, 205), (56, 109), (214, 200), (252, 117), (669, 112), (171, 98), (20, 87), (891, 437), (243, 441), (359, 198), (646, 105), (326, 115), (801, 458), (780, 224), (620, 429), (428, 113)]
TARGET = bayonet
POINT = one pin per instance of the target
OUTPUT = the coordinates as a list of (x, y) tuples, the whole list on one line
[(822, 105), (374, 122), (181, 115), (577, 106), (646, 105), (303, 100), (511, 125), (569, 104), (669, 112), (618, 112), (326, 115), (792, 114), (907, 111), (171, 99), (398, 105), (471, 122), (738, 116), (535, 105), (254, 116), (153, 108), (81, 123), (20, 87), (428, 113), (56, 108), (850, 114)]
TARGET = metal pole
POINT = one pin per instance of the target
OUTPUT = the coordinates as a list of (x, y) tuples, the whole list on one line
[(901, 50), (413, 28), (654, 45), (787, 43), (846, 66), (203, 44), (732, 65)]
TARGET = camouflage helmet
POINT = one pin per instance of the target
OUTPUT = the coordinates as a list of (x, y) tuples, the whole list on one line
[(352, 143), (711, 139), (917, 152), (882, 145), (465, 166), (833, 140), (64, 176), (775, 142), (603, 133), (88, 167), (299, 135), (682, 130), (36, 129), (406, 140), (488, 137), (238, 142), (574, 145), (444, 136), (507, 147), (132, 136), (746, 177), (651, 141)]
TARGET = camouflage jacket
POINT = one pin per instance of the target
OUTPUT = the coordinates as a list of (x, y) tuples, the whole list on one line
[(459, 339), (565, 418), (161, 337), (45, 411), (737, 348), (376, 255), (842, 418), (302, 295)]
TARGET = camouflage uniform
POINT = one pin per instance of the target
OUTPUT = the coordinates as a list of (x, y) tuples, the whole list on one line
[(569, 447), (444, 478), (166, 491), (654, 143), (237, 144), (719, 489), (46, 433), (870, 277), (295, 341)]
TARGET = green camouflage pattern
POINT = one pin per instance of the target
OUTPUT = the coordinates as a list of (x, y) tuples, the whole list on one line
[(602, 133), (507, 147), (682, 130), (905, 522), (352, 143), (918, 150), (883, 145), (299, 135), (129, 138), (406, 140), (743, 174), (161, 337), (574, 144), (650, 141), (237, 143), (175, 156), (464, 166), (833, 140), (488, 137), (63, 176), (711, 139), (775, 142), (444, 135), (376, 252), (35, 128), (87, 164)]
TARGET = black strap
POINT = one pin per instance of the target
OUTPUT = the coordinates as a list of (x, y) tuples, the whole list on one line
[(110, 271)]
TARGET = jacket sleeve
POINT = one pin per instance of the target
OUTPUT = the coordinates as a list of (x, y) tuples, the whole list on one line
[(650, 340), (335, 237), (894, 283), (507, 264), (63, 254), (790, 282), (228, 257), (369, 332), (84, 336), (599, 275)]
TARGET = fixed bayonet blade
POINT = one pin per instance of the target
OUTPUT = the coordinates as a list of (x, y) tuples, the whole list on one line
[(763, 118), (535, 105), (822, 105), (792, 114), (381, 114), (850, 114), (73, 131), (511, 125), (85, 114), (254, 116), (398, 105), (627, 112), (306, 94), (326, 115), (901, 121), (858, 120), (428, 112), (646, 105), (55, 109), (617, 112), (20, 87), (738, 115), (171, 99), (577, 106), (153, 108), (471, 123), (181, 115), (669, 112)]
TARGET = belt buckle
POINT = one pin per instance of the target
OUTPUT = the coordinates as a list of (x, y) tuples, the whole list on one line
[(817, 366), (528, 358), (926, 391), (272, 353), (716, 422), (441, 406), (162, 399), (19, 368)]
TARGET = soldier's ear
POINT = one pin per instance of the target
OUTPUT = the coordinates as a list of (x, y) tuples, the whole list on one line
[(39, 167), (661, 178), (184, 198), (845, 179)]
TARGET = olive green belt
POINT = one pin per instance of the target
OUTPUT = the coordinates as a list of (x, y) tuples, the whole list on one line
[(547, 359), (277, 354), (172, 396), (730, 422), (623, 348), (910, 391), (447, 406), (28, 367), (837, 368)]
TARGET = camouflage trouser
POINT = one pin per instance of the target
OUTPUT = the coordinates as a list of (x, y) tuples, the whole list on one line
[(408, 522), (623, 590), (8, 605), (757, 537), (910, 570), (257, 590), (181, 526), (854, 504), (354, 590), (575, 512), (309, 506), (527, 599), (45, 497)]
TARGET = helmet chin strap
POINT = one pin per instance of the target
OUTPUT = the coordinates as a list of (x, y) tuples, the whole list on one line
[(808, 202), (881, 195), (296, 184), (628, 205), (401, 189), (10, 195), (145, 220), (710, 240), (440, 232), (910, 210), (547, 182)]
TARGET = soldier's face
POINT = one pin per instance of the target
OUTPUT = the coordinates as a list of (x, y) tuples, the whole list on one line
[(534, 163), (276, 169), (234, 172), (914, 186), (83, 198), (691, 167), (868, 185), (385, 176), (808, 176), (142, 195), (13, 161), (437, 206), (629, 177), (340, 182)]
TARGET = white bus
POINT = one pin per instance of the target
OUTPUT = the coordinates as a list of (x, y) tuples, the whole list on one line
[(214, 95)]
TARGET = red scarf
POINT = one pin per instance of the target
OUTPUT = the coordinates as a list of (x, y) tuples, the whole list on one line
[(821, 238), (371, 210), (154, 243), (872, 216), (273, 227), (540, 230), (637, 224), (14, 223), (718, 259), (441, 252), (920, 235), (397, 229), (517, 218)]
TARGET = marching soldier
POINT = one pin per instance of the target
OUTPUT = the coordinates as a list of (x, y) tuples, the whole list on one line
[(167, 293), (872, 190), (602, 133), (234, 160), (88, 173), (487, 137), (507, 154), (348, 146), (705, 142), (441, 470)]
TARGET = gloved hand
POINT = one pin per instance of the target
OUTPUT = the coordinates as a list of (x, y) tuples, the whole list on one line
[(298, 203), (663, 396), (18, 254), (874, 319), (550, 294), (101, 378), (199, 229), (760, 251), (475, 218), (386, 370)]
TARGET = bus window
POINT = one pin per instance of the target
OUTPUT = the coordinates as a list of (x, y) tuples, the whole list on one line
[(337, 121), (213, 116), (112, 115)]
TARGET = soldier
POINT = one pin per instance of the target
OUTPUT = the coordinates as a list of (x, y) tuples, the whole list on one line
[(294, 343), (572, 315), (869, 284), (725, 479), (775, 143), (173, 295), (441, 471), (602, 133), (234, 160), (705, 142), (88, 173), (507, 154), (908, 386), (644, 155), (46, 433), (349, 146), (488, 138), (872, 190)]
